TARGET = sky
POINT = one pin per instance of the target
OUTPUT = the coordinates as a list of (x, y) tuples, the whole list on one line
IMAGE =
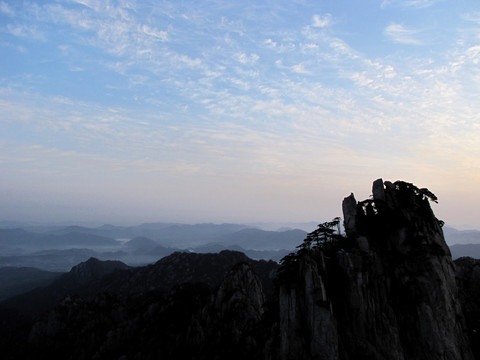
[(135, 111)]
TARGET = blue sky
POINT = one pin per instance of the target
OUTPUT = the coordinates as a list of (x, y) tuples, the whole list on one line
[(227, 111)]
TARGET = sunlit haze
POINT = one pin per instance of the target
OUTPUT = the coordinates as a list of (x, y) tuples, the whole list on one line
[(131, 111)]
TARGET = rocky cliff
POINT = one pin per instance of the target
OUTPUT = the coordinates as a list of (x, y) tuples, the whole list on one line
[(468, 280), (386, 290)]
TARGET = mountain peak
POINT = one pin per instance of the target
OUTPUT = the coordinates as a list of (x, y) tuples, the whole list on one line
[(94, 268)]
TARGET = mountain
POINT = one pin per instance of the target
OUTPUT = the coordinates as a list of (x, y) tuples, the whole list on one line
[(185, 236), (53, 260), (386, 289), (17, 238), (454, 236), (168, 234), (93, 276), (184, 267), (461, 250), (22, 239), (18, 280), (190, 321), (467, 272), (275, 255), (141, 243), (84, 278), (60, 248), (256, 239)]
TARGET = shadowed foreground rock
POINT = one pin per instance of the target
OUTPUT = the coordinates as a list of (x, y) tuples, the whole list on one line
[(398, 298), (385, 290)]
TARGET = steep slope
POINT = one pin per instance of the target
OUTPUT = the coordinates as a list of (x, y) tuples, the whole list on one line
[(389, 285), (468, 279), (94, 276), (184, 267), (18, 280), (84, 279)]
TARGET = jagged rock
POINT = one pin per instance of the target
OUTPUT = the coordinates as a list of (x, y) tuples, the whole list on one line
[(349, 207), (307, 327), (236, 314), (400, 300), (390, 283), (468, 279), (241, 290), (93, 269), (378, 191), (222, 318)]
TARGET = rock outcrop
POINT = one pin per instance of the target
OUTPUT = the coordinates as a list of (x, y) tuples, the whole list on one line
[(307, 326), (467, 273), (386, 291)]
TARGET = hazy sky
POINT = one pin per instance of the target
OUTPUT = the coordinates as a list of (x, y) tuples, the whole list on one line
[(235, 111)]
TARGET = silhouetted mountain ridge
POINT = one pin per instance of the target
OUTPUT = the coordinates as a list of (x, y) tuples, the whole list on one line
[(94, 276), (15, 281), (384, 289)]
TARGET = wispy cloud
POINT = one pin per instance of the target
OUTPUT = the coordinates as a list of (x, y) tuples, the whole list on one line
[(409, 3), (400, 34), (26, 31), (161, 35), (6, 9), (247, 59), (224, 96), (322, 21), (300, 69)]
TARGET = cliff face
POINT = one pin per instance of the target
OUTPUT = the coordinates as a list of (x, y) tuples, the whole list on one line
[(307, 327), (468, 281), (389, 286)]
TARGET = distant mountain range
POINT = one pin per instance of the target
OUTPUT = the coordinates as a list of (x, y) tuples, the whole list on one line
[(454, 236), (60, 248), (27, 240), (35, 256), (57, 248)]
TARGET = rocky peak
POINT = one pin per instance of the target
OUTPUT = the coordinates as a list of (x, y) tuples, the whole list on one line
[(241, 285), (93, 269), (398, 218), (385, 291), (403, 284)]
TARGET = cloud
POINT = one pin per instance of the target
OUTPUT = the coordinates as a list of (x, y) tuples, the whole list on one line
[(25, 31), (300, 69), (321, 21), (400, 34), (158, 34), (6, 9), (418, 4), (198, 96), (247, 59)]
